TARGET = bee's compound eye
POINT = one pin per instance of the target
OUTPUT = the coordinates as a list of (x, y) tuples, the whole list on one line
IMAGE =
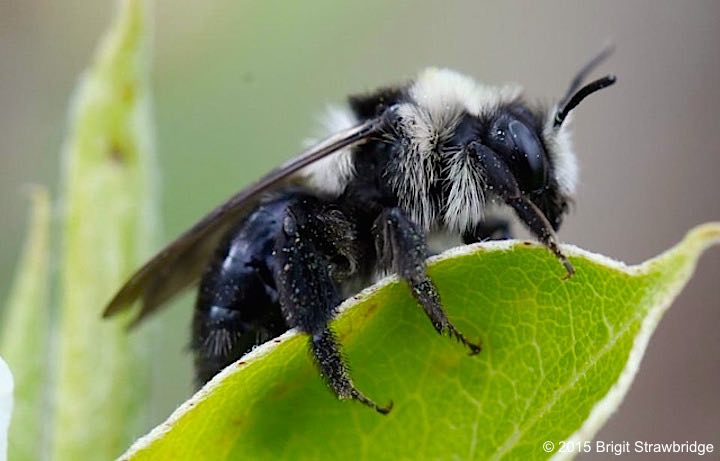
[(520, 147), (529, 145)]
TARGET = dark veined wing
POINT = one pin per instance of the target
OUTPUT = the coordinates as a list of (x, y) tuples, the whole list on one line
[(182, 262)]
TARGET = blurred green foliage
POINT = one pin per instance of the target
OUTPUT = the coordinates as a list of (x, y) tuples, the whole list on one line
[(223, 117)]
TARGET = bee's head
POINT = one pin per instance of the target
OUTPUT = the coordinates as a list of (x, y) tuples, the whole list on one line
[(525, 154), (463, 145), (511, 154), (535, 150)]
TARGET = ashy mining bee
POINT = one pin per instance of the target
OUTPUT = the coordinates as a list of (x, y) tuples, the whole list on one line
[(442, 154)]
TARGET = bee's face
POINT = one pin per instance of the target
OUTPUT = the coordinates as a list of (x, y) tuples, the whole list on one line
[(504, 154)]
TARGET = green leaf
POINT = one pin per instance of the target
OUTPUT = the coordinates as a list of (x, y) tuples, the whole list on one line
[(25, 333), (107, 229), (558, 357)]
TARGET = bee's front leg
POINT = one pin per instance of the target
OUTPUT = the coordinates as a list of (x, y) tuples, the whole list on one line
[(499, 175)]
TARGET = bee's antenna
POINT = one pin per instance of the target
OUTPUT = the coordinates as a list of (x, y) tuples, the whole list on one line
[(585, 70), (575, 94), (581, 94)]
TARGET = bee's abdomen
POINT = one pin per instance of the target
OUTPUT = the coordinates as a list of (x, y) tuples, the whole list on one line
[(237, 306)]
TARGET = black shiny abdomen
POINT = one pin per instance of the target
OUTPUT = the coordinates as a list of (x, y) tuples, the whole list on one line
[(237, 306)]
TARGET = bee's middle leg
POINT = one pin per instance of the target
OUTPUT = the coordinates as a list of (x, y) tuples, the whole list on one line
[(401, 246)]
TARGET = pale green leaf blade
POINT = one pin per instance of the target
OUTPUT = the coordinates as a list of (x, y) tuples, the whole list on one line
[(25, 332), (558, 357), (6, 406), (108, 226)]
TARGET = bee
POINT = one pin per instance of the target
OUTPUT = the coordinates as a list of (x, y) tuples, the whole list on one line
[(441, 155)]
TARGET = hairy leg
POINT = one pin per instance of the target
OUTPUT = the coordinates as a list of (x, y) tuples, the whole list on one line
[(308, 292), (401, 246)]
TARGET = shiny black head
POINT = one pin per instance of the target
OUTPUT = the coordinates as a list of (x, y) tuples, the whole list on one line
[(528, 148)]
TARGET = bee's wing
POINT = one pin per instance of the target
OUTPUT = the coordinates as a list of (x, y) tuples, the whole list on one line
[(180, 264)]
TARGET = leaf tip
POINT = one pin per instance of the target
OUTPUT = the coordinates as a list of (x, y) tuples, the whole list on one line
[(696, 242), (703, 236)]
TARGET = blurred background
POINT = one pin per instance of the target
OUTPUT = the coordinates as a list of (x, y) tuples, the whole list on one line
[(239, 84)]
